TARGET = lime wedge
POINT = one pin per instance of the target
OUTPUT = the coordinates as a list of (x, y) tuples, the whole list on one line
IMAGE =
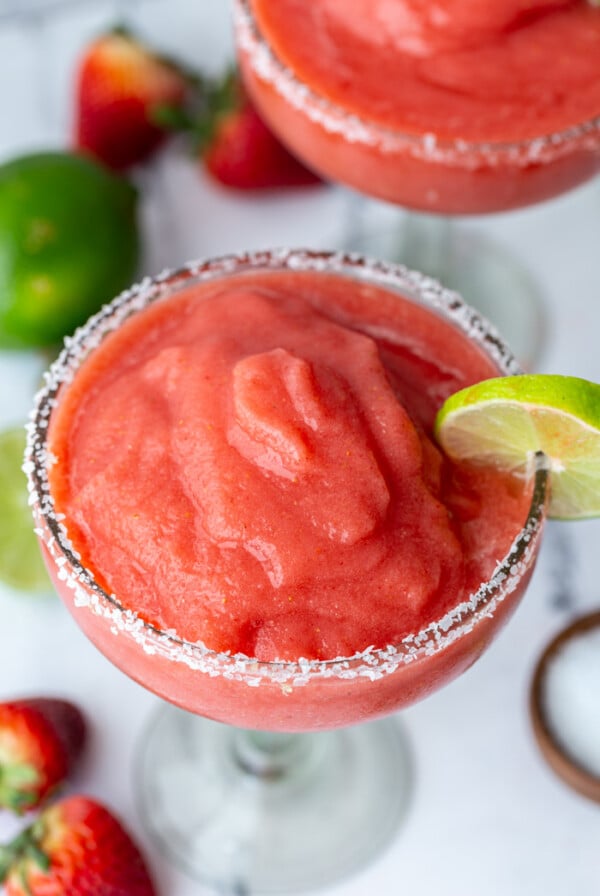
[(21, 564), (503, 422)]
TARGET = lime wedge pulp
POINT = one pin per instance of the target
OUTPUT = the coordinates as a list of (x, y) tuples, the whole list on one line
[(21, 564), (503, 422)]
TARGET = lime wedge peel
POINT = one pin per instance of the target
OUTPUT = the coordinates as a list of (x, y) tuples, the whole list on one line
[(21, 564), (503, 422)]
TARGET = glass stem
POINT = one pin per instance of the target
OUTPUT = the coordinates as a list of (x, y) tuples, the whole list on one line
[(426, 244), (269, 755)]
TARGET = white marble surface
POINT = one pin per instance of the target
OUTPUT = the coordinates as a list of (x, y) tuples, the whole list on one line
[(488, 818)]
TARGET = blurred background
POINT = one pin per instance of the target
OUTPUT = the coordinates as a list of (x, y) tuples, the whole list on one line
[(488, 817)]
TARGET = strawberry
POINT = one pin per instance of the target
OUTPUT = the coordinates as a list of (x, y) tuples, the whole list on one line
[(240, 151), (119, 83), (75, 848), (40, 740), (237, 147)]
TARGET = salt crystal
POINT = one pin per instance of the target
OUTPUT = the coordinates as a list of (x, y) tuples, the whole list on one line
[(572, 699)]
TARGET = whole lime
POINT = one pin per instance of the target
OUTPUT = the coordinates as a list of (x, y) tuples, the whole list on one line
[(69, 242)]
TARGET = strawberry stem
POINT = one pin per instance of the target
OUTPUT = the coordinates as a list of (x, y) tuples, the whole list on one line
[(22, 849), (171, 118), (215, 99), (18, 786), (9, 854)]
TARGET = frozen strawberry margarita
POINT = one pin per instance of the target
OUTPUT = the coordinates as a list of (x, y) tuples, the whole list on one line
[(247, 465), (456, 107)]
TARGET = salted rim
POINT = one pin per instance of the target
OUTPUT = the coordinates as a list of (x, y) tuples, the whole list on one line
[(370, 662), (334, 118)]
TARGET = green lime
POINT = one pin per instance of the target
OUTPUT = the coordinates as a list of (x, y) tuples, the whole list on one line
[(68, 243), (502, 422), (21, 564)]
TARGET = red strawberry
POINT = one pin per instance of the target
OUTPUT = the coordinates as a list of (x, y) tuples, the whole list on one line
[(119, 84), (40, 740), (238, 148), (75, 848)]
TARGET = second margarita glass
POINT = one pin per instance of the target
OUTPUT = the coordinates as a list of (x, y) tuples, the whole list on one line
[(437, 176)]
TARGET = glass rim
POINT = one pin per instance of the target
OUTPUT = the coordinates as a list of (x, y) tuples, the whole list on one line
[(370, 662), (333, 117)]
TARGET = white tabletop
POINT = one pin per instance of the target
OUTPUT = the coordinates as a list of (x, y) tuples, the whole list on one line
[(488, 818)]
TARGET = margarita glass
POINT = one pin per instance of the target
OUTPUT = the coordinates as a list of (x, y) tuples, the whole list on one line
[(437, 169), (264, 805)]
